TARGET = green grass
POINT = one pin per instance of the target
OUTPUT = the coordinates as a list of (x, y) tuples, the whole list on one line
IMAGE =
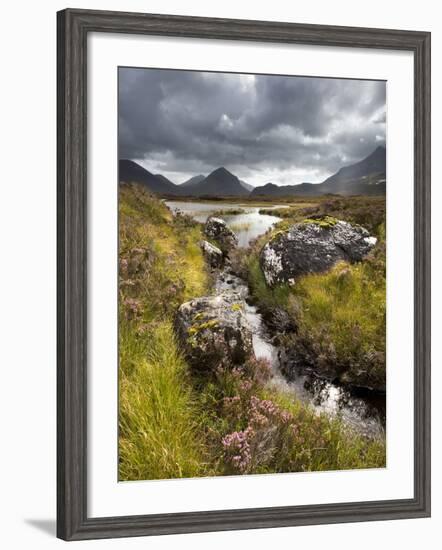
[(228, 212), (172, 421), (161, 266), (324, 444), (310, 442), (340, 315), (158, 413)]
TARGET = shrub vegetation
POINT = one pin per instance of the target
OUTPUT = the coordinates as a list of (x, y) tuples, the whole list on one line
[(174, 422), (339, 317)]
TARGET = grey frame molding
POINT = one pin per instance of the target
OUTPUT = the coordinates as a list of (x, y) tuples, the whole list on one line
[(73, 27)]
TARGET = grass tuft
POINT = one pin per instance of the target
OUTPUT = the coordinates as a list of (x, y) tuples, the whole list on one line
[(158, 414)]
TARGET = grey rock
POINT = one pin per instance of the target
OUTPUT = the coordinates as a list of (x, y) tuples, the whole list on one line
[(217, 230), (313, 247), (214, 331), (213, 254)]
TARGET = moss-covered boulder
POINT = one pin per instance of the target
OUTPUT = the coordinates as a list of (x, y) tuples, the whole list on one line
[(313, 246), (213, 331)]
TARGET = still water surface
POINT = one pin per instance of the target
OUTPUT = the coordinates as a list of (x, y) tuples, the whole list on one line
[(248, 224)]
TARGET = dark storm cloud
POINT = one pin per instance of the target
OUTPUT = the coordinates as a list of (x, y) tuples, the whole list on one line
[(263, 128)]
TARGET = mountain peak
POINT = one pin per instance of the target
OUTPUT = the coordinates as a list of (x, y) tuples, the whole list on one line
[(222, 171), (220, 182)]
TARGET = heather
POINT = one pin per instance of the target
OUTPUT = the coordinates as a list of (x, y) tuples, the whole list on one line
[(160, 267), (176, 421), (255, 427)]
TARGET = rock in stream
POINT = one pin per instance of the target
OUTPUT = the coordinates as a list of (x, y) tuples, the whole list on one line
[(217, 229)]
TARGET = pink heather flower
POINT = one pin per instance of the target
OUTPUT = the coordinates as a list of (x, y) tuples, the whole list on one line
[(123, 265), (231, 400), (259, 420), (245, 386), (237, 450), (237, 372), (133, 307), (286, 417)]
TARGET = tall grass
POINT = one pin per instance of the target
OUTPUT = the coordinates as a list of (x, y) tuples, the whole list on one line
[(176, 423), (339, 315), (161, 266), (158, 415)]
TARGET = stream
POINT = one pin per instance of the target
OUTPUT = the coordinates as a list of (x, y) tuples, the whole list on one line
[(363, 412)]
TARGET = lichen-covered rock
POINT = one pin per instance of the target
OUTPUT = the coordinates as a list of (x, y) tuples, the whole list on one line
[(213, 254), (313, 246), (214, 330), (217, 230)]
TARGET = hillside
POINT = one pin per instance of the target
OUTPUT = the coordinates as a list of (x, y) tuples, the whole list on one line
[(246, 185), (373, 164), (131, 172), (191, 182), (366, 177)]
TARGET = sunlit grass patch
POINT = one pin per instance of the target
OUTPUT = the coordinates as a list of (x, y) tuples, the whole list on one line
[(158, 436), (344, 313), (161, 266), (177, 423), (339, 315)]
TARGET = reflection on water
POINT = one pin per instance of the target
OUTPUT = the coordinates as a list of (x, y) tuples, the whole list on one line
[(247, 224), (363, 413)]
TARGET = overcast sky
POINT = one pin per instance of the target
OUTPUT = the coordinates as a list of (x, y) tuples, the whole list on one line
[(284, 130)]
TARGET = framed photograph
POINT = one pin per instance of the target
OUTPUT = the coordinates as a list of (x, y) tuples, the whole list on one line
[(243, 274)]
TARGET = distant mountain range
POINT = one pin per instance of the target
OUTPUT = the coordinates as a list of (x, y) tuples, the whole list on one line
[(220, 182), (366, 177)]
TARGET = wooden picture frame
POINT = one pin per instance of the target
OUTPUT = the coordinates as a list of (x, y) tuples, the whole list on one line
[(73, 28)]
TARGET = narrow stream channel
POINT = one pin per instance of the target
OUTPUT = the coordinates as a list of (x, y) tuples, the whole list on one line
[(364, 411), (365, 414)]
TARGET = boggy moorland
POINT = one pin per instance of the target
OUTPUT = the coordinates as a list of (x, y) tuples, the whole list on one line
[(198, 395)]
